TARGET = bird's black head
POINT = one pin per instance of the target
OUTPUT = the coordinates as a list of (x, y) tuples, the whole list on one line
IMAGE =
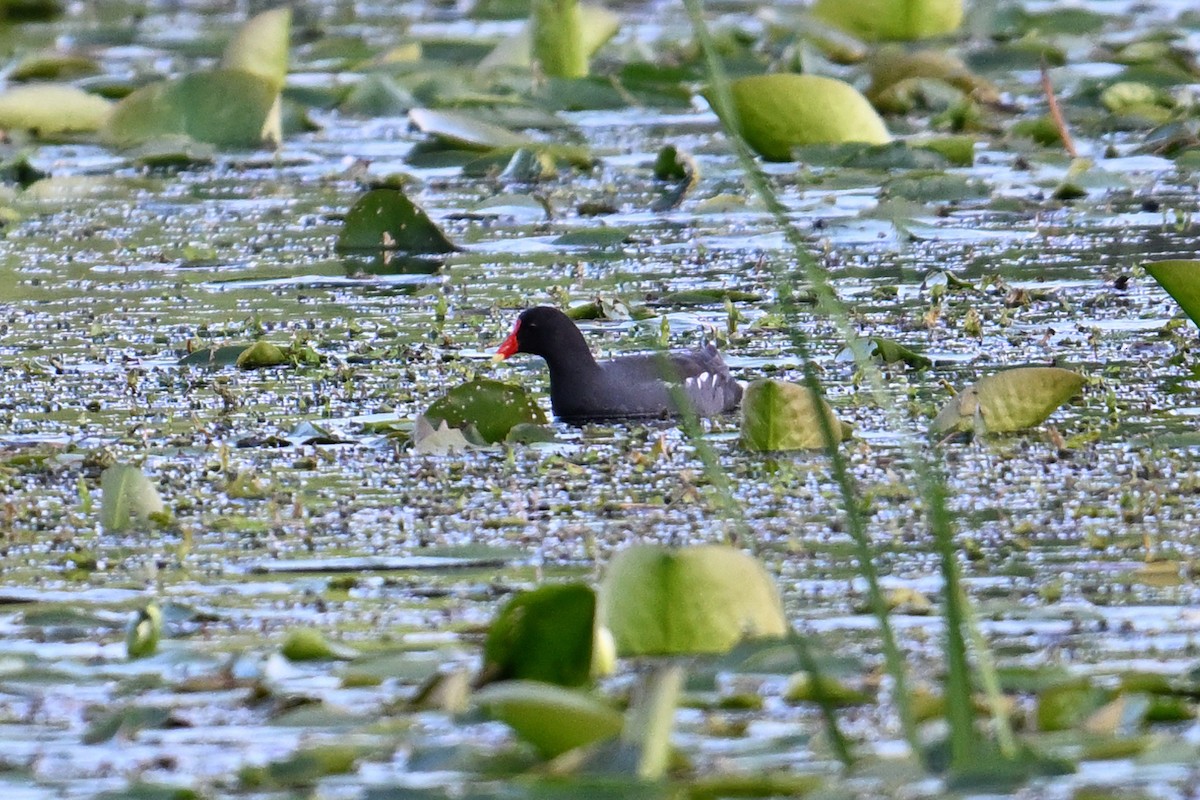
[(540, 331)]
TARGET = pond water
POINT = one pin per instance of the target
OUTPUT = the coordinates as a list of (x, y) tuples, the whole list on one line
[(1079, 548)]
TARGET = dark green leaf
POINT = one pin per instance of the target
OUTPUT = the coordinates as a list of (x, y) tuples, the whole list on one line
[(385, 219)]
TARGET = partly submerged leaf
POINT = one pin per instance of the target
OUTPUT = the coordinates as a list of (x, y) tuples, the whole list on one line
[(658, 600), (439, 441), (303, 768), (783, 111), (145, 628), (309, 644), (595, 238), (227, 108), (261, 47), (385, 219), (777, 415), (1009, 401), (128, 497), (1181, 280), (543, 635), (491, 406), (890, 352), (261, 354), (462, 130), (877, 20), (551, 718), (51, 109)]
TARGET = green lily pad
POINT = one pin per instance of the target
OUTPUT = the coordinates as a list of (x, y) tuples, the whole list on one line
[(53, 66), (706, 297), (892, 352), (127, 722), (557, 38), (1181, 280), (777, 415), (551, 718), (213, 357), (303, 768), (596, 26), (492, 407), (128, 498), (543, 635), (226, 108), (385, 219), (51, 109), (780, 112), (464, 131), (458, 131), (1009, 401), (309, 644), (659, 601), (260, 355), (894, 20), (260, 47), (593, 238)]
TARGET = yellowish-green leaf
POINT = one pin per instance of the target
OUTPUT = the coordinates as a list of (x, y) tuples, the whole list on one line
[(597, 25), (1181, 280), (1009, 401), (777, 415), (128, 498), (228, 108), (261, 47), (558, 38), (141, 640), (551, 718), (780, 112), (901, 20), (309, 644), (50, 109), (261, 354), (659, 600)]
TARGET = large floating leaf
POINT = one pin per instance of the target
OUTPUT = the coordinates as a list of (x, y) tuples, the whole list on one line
[(892, 19), (385, 219), (596, 25), (657, 600), (236, 105), (463, 130), (51, 109), (1009, 401), (558, 38), (1181, 279), (260, 47), (129, 497), (543, 635), (777, 415), (492, 407), (551, 718), (780, 112), (228, 108)]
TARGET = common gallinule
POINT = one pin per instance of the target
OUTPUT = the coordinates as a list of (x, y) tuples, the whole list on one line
[(583, 389)]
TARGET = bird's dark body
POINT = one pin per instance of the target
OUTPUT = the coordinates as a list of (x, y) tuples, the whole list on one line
[(649, 385)]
